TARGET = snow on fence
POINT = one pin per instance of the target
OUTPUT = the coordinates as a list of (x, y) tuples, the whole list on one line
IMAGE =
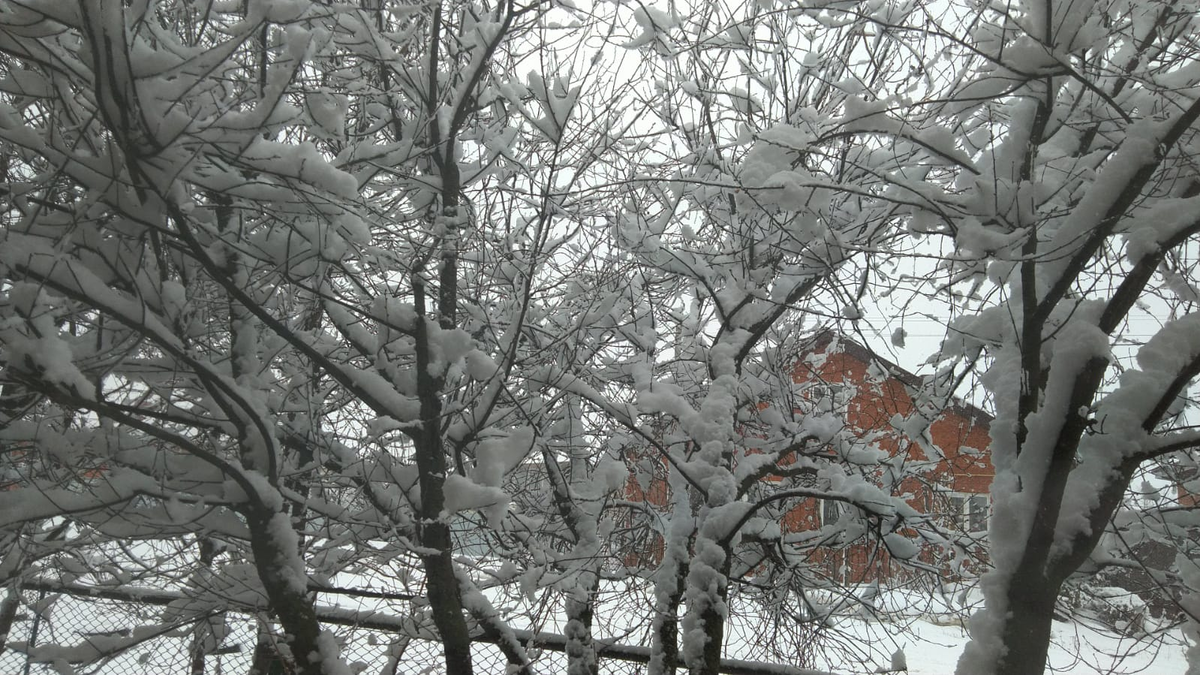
[(67, 629), (72, 632)]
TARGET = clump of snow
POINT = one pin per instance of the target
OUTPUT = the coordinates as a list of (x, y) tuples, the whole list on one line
[(288, 564), (720, 522), (823, 427), (480, 366), (497, 455), (900, 546), (464, 494), (327, 111), (268, 495), (704, 591), (329, 655), (611, 473), (654, 24), (32, 342)]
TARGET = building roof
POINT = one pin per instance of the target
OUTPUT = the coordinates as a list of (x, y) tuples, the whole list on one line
[(823, 338)]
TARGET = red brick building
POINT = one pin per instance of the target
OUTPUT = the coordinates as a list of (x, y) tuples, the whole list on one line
[(949, 463), (951, 468)]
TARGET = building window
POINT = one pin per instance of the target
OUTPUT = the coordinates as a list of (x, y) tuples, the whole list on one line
[(967, 512), (827, 397), (831, 510)]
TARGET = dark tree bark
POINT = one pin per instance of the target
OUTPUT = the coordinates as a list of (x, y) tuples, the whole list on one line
[(666, 619), (289, 601), (8, 613), (445, 596)]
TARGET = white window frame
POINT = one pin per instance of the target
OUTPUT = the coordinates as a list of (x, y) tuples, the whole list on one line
[(830, 511), (827, 397), (966, 511)]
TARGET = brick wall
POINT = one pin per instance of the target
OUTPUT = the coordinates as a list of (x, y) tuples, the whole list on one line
[(873, 395)]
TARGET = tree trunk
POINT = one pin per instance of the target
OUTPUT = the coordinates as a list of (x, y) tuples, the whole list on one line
[(203, 637), (289, 600), (267, 659), (8, 613), (581, 649), (445, 600), (712, 617), (666, 619), (714, 629), (445, 597), (1027, 629)]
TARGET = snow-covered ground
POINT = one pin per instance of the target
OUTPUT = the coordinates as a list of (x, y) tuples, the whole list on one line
[(927, 629), (933, 650)]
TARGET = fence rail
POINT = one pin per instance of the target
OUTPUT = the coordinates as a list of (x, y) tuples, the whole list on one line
[(74, 628)]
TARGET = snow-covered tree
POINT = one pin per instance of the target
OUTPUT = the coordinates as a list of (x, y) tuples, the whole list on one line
[(295, 290), (775, 201), (1071, 208), (307, 283), (257, 290)]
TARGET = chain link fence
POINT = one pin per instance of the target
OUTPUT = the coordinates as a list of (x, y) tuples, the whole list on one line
[(53, 633), (66, 633)]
